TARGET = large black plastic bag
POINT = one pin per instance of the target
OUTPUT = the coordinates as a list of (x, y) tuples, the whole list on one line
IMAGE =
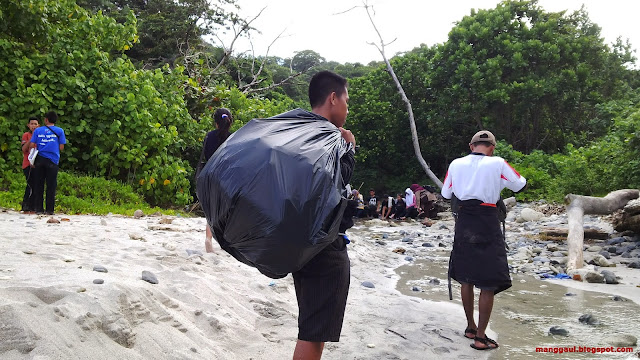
[(271, 193)]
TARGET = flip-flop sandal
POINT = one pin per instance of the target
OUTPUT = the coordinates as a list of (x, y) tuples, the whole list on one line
[(485, 341), (471, 331)]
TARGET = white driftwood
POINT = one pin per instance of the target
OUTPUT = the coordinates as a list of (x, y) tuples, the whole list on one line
[(581, 205)]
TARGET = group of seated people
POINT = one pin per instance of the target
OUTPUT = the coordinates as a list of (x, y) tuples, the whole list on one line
[(416, 202)]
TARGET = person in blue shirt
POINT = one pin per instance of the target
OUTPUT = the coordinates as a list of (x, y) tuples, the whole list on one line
[(49, 140)]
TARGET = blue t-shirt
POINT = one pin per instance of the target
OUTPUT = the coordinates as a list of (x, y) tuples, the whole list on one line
[(48, 143)]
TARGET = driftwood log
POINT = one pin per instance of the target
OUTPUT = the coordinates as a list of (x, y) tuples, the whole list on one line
[(629, 220), (581, 205)]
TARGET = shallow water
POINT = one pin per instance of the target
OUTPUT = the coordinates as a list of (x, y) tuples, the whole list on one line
[(523, 314)]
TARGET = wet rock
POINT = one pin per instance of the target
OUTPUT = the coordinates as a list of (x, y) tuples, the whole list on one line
[(441, 245), (600, 260), (399, 250), (634, 265), (569, 294), (98, 281), (149, 277), (427, 244), (609, 277), (100, 268), (556, 330), (593, 277), (368, 284), (588, 319), (138, 214), (615, 241), (594, 248), (622, 340), (528, 214)]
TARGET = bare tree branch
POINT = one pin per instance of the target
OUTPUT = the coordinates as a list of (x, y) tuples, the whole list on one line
[(403, 95), (250, 91)]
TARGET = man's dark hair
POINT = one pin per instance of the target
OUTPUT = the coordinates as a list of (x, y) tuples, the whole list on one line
[(323, 84), (485, 143), (51, 116), (33, 118)]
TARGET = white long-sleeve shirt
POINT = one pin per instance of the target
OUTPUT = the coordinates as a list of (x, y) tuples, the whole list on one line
[(480, 177)]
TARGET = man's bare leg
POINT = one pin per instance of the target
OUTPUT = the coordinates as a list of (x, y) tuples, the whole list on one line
[(308, 350), (466, 293), (208, 245), (485, 306)]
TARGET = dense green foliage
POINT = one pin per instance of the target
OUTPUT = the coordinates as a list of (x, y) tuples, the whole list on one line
[(535, 79), (563, 103)]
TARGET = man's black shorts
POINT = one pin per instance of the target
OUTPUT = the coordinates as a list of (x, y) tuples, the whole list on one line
[(322, 286)]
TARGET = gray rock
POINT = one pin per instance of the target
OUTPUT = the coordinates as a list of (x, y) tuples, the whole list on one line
[(594, 248), (385, 236), (588, 319), (100, 268), (426, 244), (557, 254), (626, 255), (103, 222), (434, 282), (368, 284), (149, 277), (443, 227), (605, 254), (542, 259), (615, 241), (609, 277), (556, 330), (593, 277), (528, 214), (612, 249), (441, 245), (622, 340), (98, 281), (569, 294), (193, 252), (552, 247), (634, 265), (380, 242), (600, 260), (407, 240), (618, 298), (415, 288), (408, 258), (138, 214)]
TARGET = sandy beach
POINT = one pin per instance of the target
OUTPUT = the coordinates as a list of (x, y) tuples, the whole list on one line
[(74, 290)]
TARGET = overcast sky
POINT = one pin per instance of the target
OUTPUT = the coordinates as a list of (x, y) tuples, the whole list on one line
[(317, 24)]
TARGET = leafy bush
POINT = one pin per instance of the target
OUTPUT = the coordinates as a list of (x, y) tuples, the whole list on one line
[(77, 194)]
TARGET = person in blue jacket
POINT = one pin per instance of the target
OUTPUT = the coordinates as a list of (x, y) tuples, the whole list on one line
[(49, 140)]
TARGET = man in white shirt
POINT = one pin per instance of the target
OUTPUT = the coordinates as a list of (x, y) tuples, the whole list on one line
[(479, 256)]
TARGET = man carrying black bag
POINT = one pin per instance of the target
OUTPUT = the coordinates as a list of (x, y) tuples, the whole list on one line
[(274, 197), (322, 285)]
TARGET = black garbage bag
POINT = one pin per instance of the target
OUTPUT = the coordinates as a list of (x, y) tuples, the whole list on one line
[(272, 192)]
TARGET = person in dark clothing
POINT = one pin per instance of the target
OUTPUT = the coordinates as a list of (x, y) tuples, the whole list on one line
[(211, 143), (479, 257), (322, 285), (399, 210), (373, 204)]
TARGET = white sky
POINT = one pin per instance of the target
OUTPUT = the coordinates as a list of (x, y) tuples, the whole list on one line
[(315, 25)]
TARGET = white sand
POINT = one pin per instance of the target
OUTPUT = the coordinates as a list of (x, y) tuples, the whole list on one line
[(205, 306)]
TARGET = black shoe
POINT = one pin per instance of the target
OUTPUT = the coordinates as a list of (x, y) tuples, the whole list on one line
[(48, 212)]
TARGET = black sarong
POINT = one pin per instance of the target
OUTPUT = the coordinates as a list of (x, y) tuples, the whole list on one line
[(479, 256)]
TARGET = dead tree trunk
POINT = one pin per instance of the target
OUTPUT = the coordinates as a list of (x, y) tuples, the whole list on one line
[(581, 205), (412, 123)]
